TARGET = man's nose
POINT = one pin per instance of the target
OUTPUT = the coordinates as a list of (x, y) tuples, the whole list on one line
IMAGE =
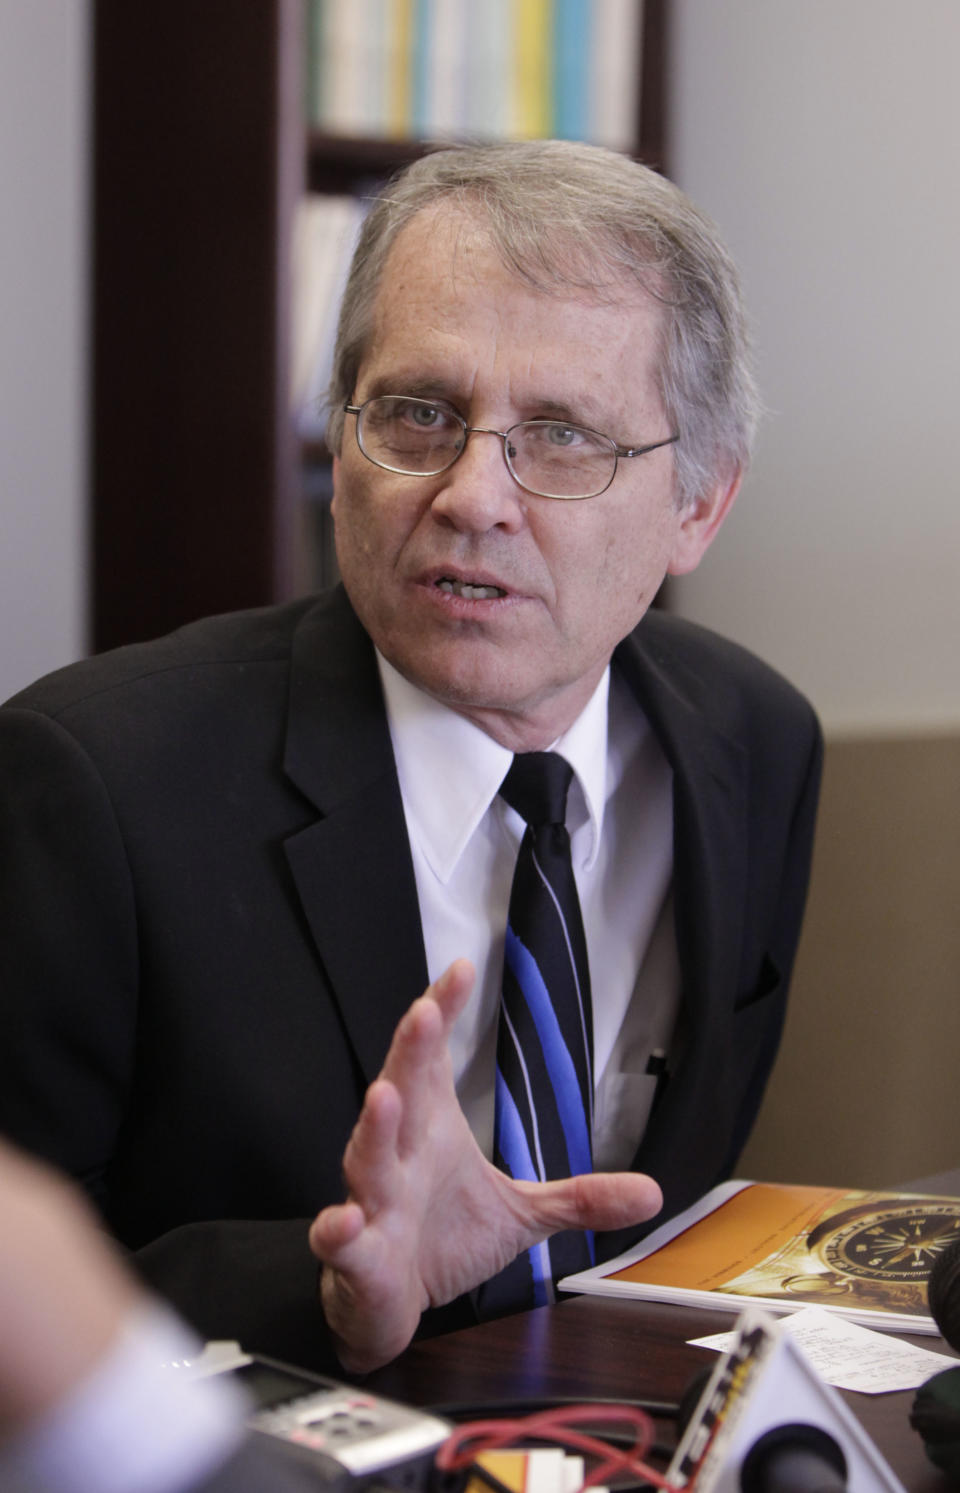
[(478, 493)]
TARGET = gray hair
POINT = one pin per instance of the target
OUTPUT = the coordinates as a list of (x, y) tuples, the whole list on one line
[(564, 215)]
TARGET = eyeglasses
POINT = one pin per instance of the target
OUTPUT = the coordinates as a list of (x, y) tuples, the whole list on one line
[(549, 458)]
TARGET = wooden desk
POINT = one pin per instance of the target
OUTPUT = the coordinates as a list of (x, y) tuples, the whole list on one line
[(594, 1346)]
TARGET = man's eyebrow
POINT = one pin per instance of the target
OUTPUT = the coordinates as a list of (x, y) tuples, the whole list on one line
[(590, 418), (557, 409), (437, 388), (419, 387)]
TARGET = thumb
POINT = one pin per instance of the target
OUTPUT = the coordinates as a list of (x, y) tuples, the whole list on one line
[(595, 1200)]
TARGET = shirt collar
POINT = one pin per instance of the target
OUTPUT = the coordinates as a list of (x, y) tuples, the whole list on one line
[(450, 770)]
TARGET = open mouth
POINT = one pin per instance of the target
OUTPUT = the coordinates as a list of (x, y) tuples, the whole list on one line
[(468, 591)]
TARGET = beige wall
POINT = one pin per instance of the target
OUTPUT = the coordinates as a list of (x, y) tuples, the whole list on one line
[(867, 1088), (822, 137)]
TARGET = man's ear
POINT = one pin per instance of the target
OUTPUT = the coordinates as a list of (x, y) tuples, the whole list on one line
[(699, 523)]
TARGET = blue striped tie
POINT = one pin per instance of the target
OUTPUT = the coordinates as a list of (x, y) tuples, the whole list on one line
[(544, 1078)]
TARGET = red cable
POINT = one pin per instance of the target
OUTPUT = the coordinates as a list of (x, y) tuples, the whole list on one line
[(465, 1443)]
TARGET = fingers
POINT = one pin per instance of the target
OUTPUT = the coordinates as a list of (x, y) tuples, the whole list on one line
[(422, 1033), (370, 1160), (597, 1200), (452, 990), (376, 1247), (371, 1310), (396, 1112), (333, 1230), (418, 1062)]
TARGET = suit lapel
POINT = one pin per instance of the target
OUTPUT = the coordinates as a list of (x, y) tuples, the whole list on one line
[(709, 884), (352, 867), (354, 874)]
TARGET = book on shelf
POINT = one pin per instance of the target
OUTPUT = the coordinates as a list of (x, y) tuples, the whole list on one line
[(454, 69), (863, 1254), (325, 235)]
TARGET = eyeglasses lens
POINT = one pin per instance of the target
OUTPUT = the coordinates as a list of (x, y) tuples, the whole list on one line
[(561, 461), (545, 456)]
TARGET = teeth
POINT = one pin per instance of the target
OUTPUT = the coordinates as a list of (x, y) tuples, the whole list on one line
[(470, 593)]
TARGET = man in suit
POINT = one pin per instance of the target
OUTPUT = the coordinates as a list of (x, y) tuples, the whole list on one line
[(233, 859)]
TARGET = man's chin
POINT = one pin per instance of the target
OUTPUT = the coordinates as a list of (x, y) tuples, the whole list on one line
[(523, 714), (465, 689)]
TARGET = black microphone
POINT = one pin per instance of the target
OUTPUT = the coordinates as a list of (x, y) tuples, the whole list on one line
[(936, 1406), (794, 1459), (790, 1458), (943, 1293)]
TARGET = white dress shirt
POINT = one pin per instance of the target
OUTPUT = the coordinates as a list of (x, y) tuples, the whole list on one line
[(464, 839)]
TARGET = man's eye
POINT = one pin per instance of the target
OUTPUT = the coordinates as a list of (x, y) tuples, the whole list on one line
[(561, 435), (426, 415), (422, 416)]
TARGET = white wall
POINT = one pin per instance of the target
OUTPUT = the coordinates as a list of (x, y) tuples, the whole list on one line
[(43, 278), (824, 138)]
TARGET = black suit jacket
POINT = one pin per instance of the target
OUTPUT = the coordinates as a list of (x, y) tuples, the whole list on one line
[(209, 930)]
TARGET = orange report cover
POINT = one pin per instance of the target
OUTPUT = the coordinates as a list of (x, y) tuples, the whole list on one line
[(866, 1255)]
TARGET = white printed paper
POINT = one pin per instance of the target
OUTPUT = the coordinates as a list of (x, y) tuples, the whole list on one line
[(851, 1357)]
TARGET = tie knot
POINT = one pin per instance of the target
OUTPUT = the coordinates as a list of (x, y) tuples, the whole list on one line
[(536, 786)]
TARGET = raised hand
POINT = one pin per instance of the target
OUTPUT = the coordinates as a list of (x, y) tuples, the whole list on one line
[(427, 1217)]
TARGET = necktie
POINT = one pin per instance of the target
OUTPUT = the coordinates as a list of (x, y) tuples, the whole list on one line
[(544, 1077)]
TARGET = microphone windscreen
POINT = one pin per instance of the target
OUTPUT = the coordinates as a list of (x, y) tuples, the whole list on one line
[(936, 1406), (796, 1458), (943, 1293), (936, 1416)]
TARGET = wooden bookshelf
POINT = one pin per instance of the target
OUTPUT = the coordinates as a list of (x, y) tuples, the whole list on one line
[(201, 152)]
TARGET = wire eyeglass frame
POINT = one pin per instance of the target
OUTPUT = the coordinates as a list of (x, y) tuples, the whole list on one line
[(616, 451)]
